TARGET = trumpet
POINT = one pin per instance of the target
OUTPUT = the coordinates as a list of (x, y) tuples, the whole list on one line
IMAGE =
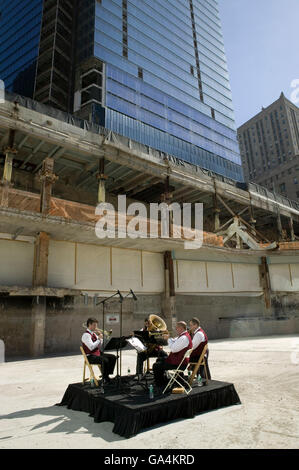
[(99, 332)]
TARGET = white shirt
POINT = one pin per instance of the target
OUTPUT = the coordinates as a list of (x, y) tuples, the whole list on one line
[(86, 339), (178, 343), (198, 338)]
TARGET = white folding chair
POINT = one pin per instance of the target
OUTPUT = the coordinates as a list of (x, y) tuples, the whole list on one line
[(177, 378)]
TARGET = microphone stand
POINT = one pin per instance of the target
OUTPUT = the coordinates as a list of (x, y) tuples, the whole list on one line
[(103, 346)]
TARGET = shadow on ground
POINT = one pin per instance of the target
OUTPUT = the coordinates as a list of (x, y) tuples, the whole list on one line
[(67, 422)]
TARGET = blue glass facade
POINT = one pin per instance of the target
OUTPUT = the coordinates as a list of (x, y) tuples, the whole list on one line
[(153, 74), (20, 25)]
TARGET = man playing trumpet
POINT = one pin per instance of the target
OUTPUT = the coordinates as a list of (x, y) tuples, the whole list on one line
[(178, 347), (91, 343)]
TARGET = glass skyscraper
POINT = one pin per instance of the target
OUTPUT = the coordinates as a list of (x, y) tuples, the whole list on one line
[(20, 25), (152, 70)]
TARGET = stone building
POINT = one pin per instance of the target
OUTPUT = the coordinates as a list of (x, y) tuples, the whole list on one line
[(269, 145)]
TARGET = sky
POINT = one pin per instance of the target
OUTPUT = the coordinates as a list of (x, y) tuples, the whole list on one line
[(262, 48)]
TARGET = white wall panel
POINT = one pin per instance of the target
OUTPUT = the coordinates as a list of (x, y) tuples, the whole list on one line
[(16, 265), (61, 264), (153, 272), (280, 277), (93, 267), (246, 277), (126, 269), (220, 277), (190, 276)]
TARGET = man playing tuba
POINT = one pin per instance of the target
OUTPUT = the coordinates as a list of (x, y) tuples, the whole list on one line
[(153, 348)]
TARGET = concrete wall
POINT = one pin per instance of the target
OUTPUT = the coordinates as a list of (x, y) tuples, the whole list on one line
[(226, 296), (64, 321), (16, 266), (104, 269)]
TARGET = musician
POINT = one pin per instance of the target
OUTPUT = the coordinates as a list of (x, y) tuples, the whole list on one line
[(199, 340), (91, 344), (178, 347), (154, 350)]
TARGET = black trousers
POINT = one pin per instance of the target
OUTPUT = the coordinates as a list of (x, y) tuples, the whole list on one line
[(201, 370), (159, 369), (141, 357), (107, 362)]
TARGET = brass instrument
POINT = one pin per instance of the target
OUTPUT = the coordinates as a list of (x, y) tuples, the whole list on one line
[(99, 332), (157, 326), (157, 329)]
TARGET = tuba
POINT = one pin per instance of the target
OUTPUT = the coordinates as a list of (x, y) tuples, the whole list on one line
[(157, 326)]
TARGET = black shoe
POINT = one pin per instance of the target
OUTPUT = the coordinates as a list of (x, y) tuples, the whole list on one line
[(106, 380)]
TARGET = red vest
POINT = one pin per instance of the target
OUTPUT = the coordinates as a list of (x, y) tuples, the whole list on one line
[(197, 351), (94, 352), (175, 358)]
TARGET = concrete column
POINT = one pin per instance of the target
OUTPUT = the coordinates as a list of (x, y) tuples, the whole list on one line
[(252, 220), (168, 304), (279, 226), (38, 326), (10, 153), (292, 233), (40, 269), (265, 283), (102, 182), (216, 212), (47, 179)]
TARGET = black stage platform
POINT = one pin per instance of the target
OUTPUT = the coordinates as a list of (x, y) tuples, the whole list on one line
[(131, 409)]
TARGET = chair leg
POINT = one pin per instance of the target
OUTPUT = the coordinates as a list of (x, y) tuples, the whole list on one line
[(84, 369), (206, 374), (92, 375)]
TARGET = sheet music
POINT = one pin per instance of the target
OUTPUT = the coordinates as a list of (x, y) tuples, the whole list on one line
[(137, 344)]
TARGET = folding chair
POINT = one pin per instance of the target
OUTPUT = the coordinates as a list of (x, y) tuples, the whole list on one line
[(201, 362), (147, 366), (175, 374), (91, 372)]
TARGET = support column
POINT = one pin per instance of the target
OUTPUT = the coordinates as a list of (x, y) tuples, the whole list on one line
[(252, 220), (47, 179), (166, 197), (40, 279), (102, 181), (216, 212), (292, 233), (265, 283), (40, 269), (10, 152), (279, 226), (169, 307), (38, 326)]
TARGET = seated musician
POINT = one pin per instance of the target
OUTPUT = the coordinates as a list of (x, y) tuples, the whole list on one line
[(91, 344), (199, 340), (178, 347), (153, 349)]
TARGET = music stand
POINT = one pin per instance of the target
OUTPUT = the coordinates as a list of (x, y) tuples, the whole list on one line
[(117, 344), (103, 323)]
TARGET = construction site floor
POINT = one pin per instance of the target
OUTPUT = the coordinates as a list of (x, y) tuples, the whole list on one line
[(264, 371)]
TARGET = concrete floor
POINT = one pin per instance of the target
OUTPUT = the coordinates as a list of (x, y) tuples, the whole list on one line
[(265, 372)]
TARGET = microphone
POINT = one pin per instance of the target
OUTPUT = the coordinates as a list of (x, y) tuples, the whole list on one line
[(133, 295), (120, 296)]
